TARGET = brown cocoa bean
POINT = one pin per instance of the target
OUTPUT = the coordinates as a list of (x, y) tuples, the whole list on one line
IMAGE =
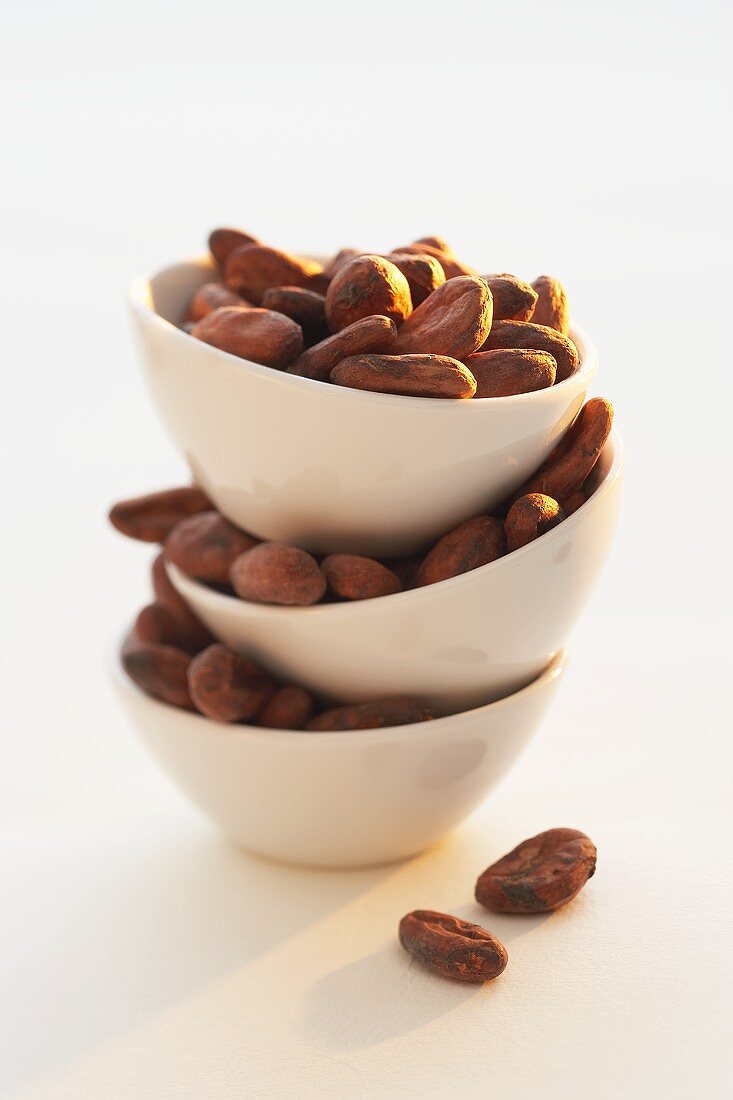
[(158, 670), (529, 517), (451, 947), (405, 569), (566, 470), (289, 709), (423, 273), (400, 711), (353, 577), (251, 269), (451, 265), (222, 243), (409, 375), (513, 299), (276, 573), (551, 308), (540, 874), (439, 243), (205, 546), (574, 501), (367, 286), (532, 337), (371, 334), (227, 687), (159, 624), (212, 296), (167, 595), (454, 320), (504, 372), (305, 307), (476, 542), (260, 335), (152, 517), (337, 262)]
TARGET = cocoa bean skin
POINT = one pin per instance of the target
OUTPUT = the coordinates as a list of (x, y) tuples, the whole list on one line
[(532, 337), (573, 461), (405, 569), (410, 375), (223, 241), (167, 595), (353, 577), (454, 320), (253, 268), (541, 874), (529, 517), (227, 687), (439, 243), (573, 502), (513, 299), (159, 671), (205, 546), (474, 543), (371, 334), (399, 711), (451, 947), (506, 372), (367, 286), (337, 262), (152, 517), (551, 308), (289, 709), (423, 273), (305, 307), (261, 335), (451, 265), (157, 623), (212, 296), (273, 572)]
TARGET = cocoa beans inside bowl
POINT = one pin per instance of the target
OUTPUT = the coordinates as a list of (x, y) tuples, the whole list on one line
[(419, 625), (365, 461)]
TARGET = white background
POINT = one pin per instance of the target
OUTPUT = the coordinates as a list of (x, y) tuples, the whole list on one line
[(143, 958)]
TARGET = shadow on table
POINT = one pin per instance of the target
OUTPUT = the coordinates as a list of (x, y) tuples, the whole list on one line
[(112, 928), (347, 1008), (350, 1008)]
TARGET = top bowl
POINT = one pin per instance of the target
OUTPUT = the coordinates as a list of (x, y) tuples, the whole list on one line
[(329, 468)]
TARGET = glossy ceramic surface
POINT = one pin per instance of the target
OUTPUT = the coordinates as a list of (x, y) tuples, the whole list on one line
[(458, 643), (339, 799), (330, 468)]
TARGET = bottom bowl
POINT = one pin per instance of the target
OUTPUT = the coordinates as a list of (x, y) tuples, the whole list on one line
[(344, 799)]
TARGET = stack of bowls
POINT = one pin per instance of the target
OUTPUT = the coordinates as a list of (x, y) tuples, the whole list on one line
[(334, 469)]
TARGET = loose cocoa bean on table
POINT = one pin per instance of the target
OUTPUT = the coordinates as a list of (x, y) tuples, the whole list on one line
[(451, 947), (540, 874)]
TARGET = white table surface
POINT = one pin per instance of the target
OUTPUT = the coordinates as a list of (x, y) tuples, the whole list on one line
[(141, 956)]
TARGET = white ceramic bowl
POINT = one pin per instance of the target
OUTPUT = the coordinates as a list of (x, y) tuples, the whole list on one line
[(330, 468), (340, 799), (456, 644)]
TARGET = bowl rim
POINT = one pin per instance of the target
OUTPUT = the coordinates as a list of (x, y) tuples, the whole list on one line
[(139, 299), (553, 671), (181, 581)]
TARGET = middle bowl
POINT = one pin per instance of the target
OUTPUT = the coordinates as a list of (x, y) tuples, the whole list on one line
[(456, 644), (330, 468)]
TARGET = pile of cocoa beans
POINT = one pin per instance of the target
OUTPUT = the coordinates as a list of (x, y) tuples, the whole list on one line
[(172, 657), (415, 321), (540, 875), (206, 546)]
